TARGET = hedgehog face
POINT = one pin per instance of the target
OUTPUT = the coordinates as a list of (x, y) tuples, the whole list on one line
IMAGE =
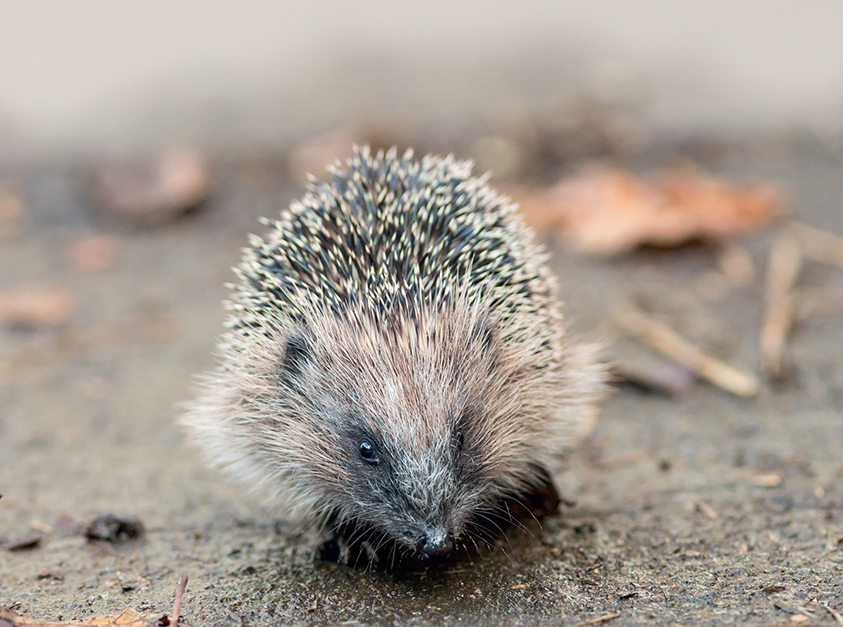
[(420, 497), (398, 424), (408, 428)]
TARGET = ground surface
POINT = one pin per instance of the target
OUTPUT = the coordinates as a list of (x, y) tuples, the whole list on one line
[(668, 523)]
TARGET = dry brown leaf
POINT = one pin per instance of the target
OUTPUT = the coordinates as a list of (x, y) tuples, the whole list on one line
[(110, 528), (178, 181), (32, 307), (128, 618), (12, 210), (26, 543), (95, 252), (608, 211)]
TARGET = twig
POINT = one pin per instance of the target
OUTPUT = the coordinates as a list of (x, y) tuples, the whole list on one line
[(599, 619), (177, 603), (708, 510), (672, 345), (736, 263), (834, 613), (819, 245), (670, 380), (782, 271)]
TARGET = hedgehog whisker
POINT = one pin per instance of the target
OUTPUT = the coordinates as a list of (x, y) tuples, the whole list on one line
[(529, 510), (357, 539), (492, 521), (512, 520)]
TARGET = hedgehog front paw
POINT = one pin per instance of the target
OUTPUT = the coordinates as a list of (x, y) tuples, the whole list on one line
[(348, 544)]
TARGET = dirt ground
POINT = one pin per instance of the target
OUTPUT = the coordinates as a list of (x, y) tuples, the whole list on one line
[(701, 509)]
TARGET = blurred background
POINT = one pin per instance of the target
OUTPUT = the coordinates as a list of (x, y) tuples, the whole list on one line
[(140, 142), (94, 75)]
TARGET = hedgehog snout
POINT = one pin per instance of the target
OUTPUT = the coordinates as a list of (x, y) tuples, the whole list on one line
[(431, 541)]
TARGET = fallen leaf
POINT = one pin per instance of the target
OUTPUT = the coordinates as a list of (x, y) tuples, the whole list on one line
[(32, 541), (607, 211), (92, 253), (12, 211), (32, 307), (113, 529), (177, 182), (128, 618)]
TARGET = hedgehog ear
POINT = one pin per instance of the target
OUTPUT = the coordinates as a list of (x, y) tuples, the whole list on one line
[(296, 353)]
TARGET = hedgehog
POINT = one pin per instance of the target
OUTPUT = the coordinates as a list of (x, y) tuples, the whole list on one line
[(395, 366)]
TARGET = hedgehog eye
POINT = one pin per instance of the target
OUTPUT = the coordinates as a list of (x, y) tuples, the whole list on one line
[(458, 434), (368, 452), (459, 440)]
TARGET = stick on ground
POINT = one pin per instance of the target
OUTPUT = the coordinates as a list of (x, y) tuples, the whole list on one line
[(783, 268), (177, 603), (672, 345), (819, 245), (837, 616), (599, 619)]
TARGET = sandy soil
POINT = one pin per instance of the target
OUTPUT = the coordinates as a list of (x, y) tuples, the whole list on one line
[(668, 523)]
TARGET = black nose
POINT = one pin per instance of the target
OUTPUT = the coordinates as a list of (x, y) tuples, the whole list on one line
[(435, 543)]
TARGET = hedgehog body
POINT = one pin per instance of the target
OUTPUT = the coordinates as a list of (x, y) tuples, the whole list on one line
[(395, 358)]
